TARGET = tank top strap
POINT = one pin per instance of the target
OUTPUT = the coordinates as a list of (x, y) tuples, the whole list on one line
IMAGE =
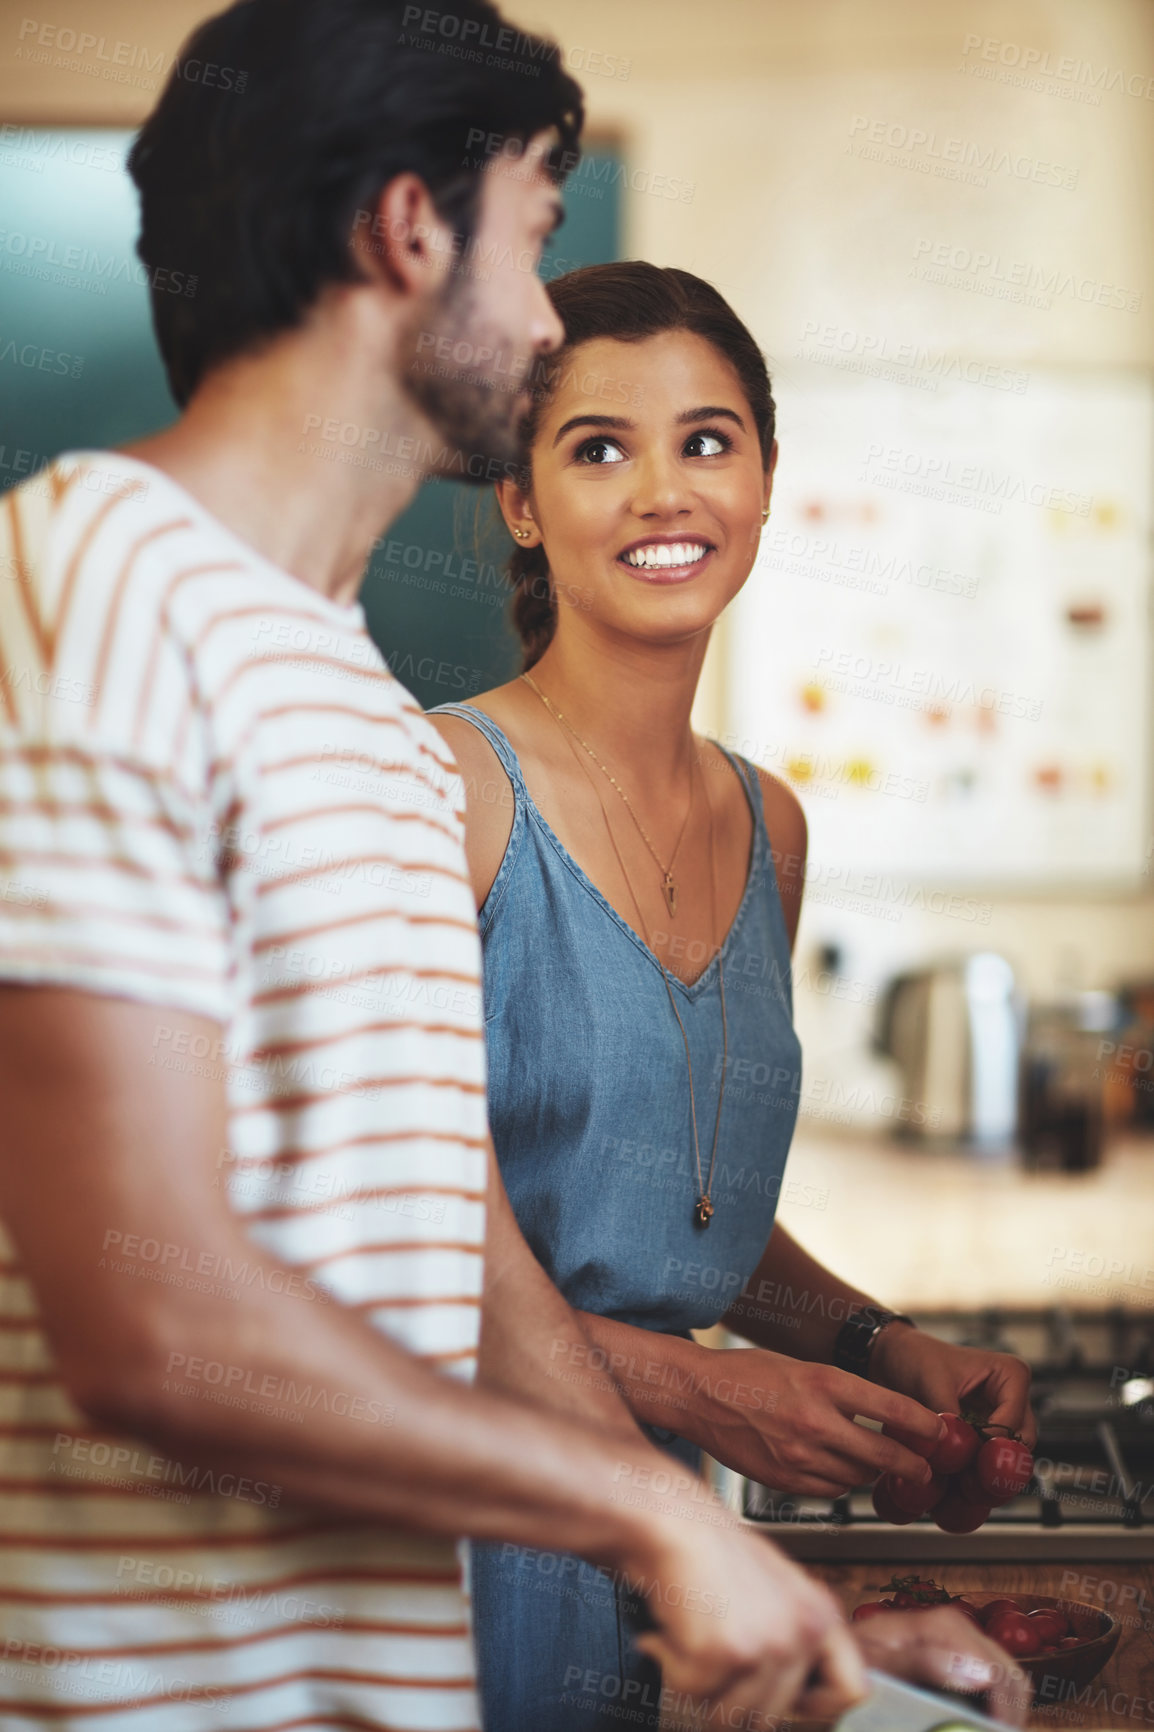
[(522, 805), (764, 845), (750, 779), (751, 782), (484, 724)]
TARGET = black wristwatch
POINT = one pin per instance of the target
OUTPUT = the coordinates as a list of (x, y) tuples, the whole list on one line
[(858, 1335)]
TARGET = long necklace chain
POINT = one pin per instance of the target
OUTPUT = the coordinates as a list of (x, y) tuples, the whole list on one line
[(703, 1207), (668, 885)]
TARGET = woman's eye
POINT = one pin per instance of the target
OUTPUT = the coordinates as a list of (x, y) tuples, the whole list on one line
[(599, 451), (716, 443)]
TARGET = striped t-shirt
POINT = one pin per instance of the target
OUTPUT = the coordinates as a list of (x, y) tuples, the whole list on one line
[(215, 797)]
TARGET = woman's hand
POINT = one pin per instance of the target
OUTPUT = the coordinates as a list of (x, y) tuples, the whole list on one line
[(947, 1378), (941, 1649), (790, 1425)]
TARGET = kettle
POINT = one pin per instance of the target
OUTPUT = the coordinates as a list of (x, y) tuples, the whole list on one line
[(954, 1030)]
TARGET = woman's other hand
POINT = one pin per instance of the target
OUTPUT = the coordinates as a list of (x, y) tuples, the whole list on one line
[(948, 1378)]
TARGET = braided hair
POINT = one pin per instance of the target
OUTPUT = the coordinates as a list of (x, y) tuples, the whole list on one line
[(626, 301)]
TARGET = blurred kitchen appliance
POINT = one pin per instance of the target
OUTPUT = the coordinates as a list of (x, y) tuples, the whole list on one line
[(1067, 1075), (954, 1029), (1092, 1496)]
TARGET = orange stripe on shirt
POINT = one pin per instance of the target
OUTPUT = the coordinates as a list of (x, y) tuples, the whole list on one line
[(412, 868), (370, 674), (322, 1576), (364, 1086), (163, 631), (283, 1048), (301, 988), (112, 617), (185, 1542), (24, 590), (229, 1692), (392, 1246), (72, 753), (295, 934), (87, 537), (286, 1212), (447, 766), (375, 809), (290, 1156), (363, 764)]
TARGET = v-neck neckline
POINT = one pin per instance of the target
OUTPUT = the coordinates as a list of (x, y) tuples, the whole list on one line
[(691, 988)]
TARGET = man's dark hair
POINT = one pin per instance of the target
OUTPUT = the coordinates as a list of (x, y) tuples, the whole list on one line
[(282, 119)]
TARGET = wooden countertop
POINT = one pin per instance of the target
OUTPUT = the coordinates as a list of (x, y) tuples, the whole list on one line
[(925, 1229), (1122, 1695)]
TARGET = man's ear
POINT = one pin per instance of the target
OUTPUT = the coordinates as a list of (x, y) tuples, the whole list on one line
[(402, 239), (517, 510)]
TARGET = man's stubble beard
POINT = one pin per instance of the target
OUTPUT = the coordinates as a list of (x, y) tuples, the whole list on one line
[(477, 414)]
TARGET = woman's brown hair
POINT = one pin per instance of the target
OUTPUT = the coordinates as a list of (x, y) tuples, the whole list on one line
[(627, 301)]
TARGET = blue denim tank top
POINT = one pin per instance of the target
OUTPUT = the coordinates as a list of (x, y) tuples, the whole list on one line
[(589, 1098)]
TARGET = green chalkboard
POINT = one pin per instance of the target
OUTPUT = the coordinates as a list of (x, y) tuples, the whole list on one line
[(79, 370)]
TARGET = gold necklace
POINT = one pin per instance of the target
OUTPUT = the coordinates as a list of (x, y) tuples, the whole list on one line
[(668, 886), (703, 1207)]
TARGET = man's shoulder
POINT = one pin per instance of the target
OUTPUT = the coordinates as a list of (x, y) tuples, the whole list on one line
[(94, 534)]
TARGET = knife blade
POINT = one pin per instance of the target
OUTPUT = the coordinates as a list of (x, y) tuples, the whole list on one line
[(894, 1706)]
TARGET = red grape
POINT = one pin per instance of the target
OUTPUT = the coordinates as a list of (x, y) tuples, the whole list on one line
[(956, 1515), (1014, 1632), (993, 1607), (957, 1446), (1049, 1622), (883, 1502), (870, 1609), (915, 1499), (1003, 1468)]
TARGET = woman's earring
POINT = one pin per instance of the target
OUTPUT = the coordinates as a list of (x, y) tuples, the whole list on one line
[(522, 534), (765, 515)]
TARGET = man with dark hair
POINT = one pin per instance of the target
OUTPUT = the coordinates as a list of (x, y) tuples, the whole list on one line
[(251, 1224)]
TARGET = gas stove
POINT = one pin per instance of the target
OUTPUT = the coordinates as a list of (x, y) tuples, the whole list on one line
[(1092, 1496)]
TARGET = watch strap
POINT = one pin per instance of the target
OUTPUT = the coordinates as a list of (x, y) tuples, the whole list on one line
[(858, 1334)]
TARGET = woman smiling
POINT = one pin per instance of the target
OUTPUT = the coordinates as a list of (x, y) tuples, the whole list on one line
[(637, 938)]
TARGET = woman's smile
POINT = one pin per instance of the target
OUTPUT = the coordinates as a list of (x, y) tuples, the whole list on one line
[(666, 558)]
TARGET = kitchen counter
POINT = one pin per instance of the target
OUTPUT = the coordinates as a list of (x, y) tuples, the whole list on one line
[(930, 1230), (1123, 1692)]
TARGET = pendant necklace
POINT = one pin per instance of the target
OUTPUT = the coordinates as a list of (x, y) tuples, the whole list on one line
[(703, 1207), (668, 883)]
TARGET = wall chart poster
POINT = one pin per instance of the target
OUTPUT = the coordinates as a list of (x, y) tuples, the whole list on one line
[(945, 643)]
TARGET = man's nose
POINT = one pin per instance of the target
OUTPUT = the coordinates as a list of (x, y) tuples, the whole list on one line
[(548, 331)]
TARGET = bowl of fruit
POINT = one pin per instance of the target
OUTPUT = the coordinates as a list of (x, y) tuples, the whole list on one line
[(973, 1468), (1063, 1640), (1049, 1638)]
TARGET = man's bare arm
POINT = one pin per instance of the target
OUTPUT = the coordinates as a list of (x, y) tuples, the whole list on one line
[(98, 1140), (99, 1143)]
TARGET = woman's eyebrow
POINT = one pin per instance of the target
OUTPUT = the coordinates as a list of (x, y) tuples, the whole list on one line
[(709, 413), (622, 424), (617, 423)]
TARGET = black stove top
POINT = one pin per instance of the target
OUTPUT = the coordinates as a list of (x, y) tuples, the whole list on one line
[(1093, 1490)]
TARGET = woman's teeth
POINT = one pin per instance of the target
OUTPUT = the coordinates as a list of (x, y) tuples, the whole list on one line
[(666, 553)]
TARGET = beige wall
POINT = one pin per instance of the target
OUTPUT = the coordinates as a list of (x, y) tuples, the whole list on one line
[(756, 107), (754, 103)]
